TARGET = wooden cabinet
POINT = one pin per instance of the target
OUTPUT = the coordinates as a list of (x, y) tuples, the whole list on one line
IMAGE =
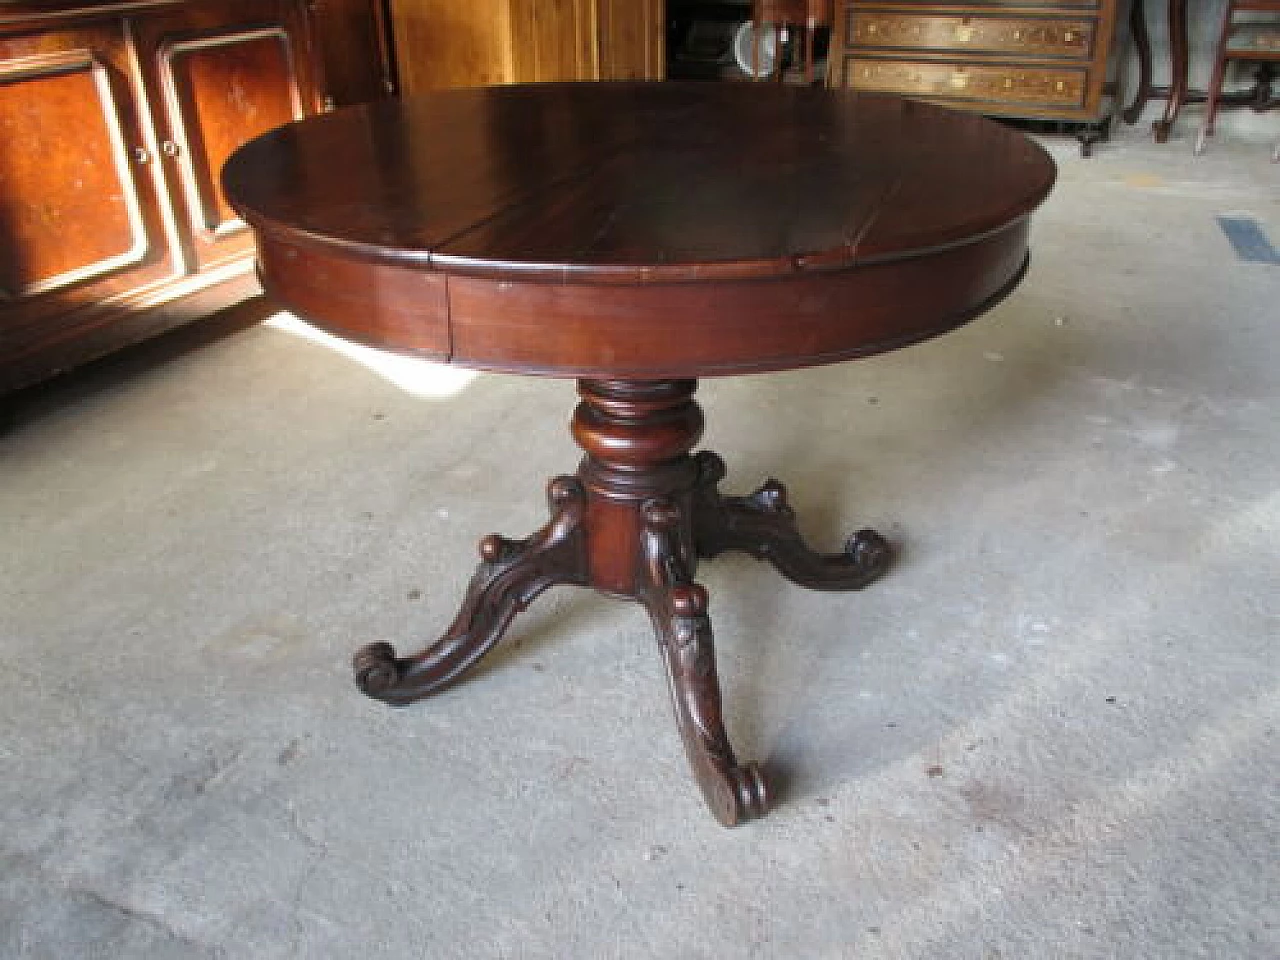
[(1044, 59), (216, 75), (83, 225), (461, 43), (115, 120), (631, 40)]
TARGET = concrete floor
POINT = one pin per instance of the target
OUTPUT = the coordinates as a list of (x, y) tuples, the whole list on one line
[(1049, 732)]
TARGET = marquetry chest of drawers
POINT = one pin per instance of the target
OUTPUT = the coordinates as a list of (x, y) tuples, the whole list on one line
[(1042, 59)]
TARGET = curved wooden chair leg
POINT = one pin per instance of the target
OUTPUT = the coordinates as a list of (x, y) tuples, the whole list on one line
[(678, 607), (764, 525), (1142, 43), (511, 574), (1178, 78), (1215, 85)]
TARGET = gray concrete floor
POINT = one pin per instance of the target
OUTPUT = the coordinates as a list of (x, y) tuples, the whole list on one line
[(1049, 732)]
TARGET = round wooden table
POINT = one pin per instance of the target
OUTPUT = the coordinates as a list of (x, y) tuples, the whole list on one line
[(636, 237)]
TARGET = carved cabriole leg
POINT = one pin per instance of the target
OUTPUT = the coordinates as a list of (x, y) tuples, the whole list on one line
[(678, 607), (764, 525), (511, 574), (640, 482)]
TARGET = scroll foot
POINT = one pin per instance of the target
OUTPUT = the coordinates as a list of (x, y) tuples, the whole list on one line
[(511, 574), (734, 792), (764, 525)]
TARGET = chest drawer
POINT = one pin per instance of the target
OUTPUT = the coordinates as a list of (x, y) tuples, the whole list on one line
[(1019, 36), (1058, 87)]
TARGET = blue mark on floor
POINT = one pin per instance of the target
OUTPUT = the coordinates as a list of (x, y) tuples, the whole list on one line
[(1249, 240)]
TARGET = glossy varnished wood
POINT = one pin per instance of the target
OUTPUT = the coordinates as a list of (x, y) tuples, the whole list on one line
[(644, 216), (633, 523), (74, 223), (218, 74), (115, 120), (638, 237)]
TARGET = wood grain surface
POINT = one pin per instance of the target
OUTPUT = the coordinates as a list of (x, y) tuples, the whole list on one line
[(647, 230)]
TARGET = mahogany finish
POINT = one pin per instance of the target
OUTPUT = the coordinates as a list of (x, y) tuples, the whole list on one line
[(625, 229), (115, 119), (637, 236)]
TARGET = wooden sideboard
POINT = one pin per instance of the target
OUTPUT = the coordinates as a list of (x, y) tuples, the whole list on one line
[(468, 43), (115, 119), (1038, 59)]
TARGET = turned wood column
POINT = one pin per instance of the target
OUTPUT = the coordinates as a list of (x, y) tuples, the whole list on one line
[(637, 436)]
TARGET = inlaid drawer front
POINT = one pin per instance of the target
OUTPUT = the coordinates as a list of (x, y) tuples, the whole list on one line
[(1044, 86), (1029, 36), (1254, 38)]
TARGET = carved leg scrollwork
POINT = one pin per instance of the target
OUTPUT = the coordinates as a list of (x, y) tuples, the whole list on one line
[(511, 574), (633, 523), (764, 525), (678, 607)]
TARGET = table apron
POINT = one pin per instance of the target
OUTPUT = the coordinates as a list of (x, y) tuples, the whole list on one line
[(647, 331)]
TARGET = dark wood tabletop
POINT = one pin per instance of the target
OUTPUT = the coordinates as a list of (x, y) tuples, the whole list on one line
[(490, 226)]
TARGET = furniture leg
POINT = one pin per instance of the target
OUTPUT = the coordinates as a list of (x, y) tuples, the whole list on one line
[(678, 608), (511, 574), (1142, 41), (1215, 84), (633, 524), (810, 29), (640, 482), (1091, 133), (783, 43), (1263, 96), (764, 525), (1178, 78)]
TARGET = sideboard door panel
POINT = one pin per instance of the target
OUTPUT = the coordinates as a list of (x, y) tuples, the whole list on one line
[(76, 226), (115, 119), (220, 83)]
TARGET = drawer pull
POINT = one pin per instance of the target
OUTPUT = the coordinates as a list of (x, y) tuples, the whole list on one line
[(1068, 37), (964, 33), (959, 79)]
